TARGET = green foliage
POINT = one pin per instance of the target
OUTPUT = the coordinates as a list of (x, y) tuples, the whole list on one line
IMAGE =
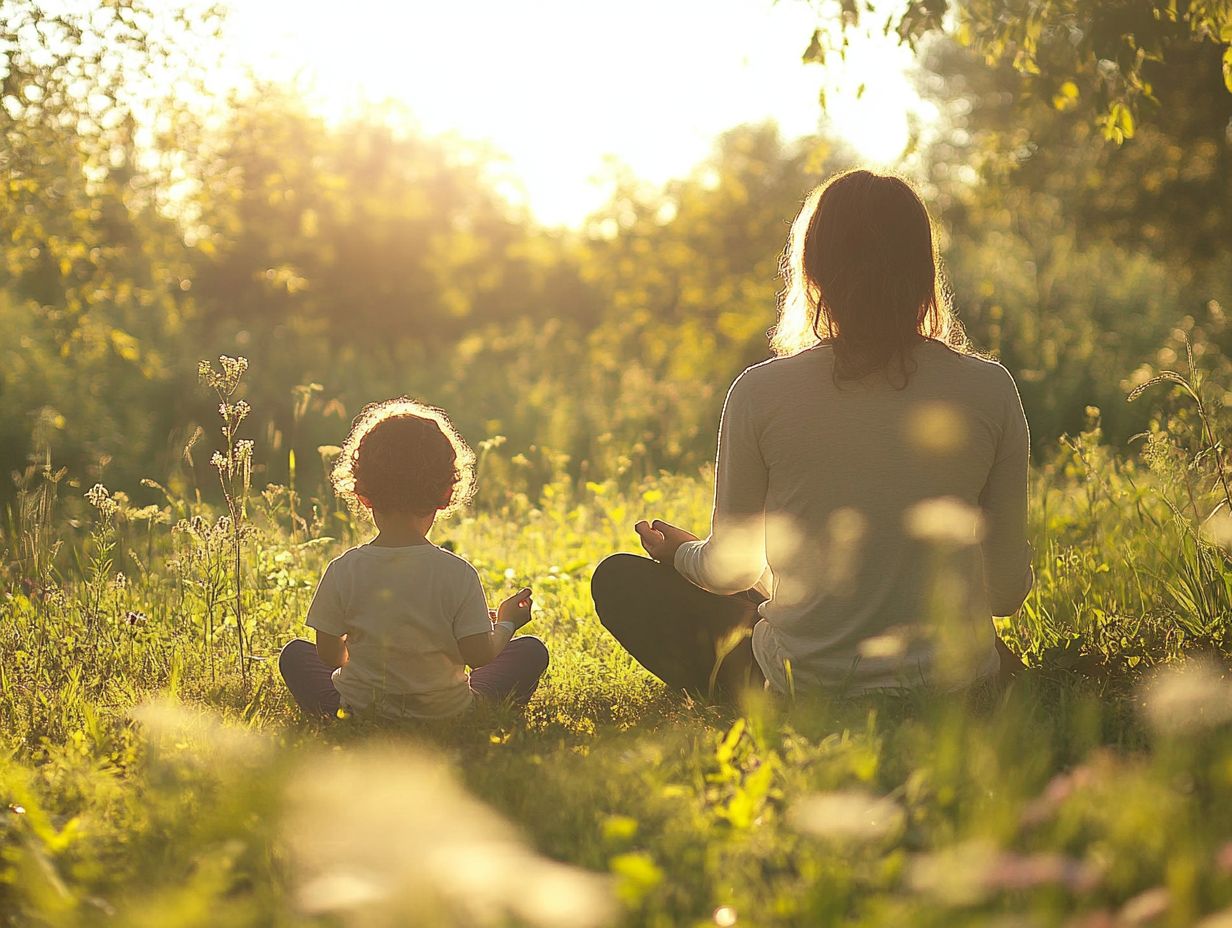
[(1103, 57), (370, 261)]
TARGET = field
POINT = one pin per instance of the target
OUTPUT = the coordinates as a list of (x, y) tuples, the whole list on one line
[(151, 778), (165, 198)]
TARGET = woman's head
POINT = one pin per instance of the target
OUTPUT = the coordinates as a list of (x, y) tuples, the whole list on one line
[(404, 457), (862, 270)]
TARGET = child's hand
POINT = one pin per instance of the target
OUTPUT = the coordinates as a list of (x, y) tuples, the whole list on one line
[(516, 609)]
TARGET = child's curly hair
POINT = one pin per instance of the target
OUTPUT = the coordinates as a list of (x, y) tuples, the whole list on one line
[(404, 456)]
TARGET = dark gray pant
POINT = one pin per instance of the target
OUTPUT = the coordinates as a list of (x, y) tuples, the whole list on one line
[(513, 674), (676, 630)]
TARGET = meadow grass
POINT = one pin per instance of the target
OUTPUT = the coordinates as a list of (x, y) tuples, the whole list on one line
[(153, 770)]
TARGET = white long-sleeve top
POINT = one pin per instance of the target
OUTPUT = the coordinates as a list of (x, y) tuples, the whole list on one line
[(887, 526)]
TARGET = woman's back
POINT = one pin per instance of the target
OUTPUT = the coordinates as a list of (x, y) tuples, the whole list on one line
[(894, 516), (877, 468)]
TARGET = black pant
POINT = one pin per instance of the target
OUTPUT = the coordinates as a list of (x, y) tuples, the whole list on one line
[(688, 638)]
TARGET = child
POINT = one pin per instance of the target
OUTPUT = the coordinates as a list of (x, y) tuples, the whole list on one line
[(398, 619)]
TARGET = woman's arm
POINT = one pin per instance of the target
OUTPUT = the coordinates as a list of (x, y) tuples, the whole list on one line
[(733, 558), (1005, 548)]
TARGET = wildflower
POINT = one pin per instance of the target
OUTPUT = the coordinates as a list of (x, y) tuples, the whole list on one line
[(225, 380), (1146, 907), (724, 916), (1217, 529), (851, 815), (1189, 698), (971, 872), (1058, 790), (133, 618), (375, 865), (886, 647), (1162, 456), (945, 520), (937, 428), (100, 498), (119, 581), (1223, 859)]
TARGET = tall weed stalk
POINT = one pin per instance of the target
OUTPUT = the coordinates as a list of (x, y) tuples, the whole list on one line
[(234, 467)]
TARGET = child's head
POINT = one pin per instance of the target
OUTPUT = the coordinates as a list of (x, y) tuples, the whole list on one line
[(407, 458)]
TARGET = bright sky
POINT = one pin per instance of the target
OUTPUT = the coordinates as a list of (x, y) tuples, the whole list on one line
[(560, 85)]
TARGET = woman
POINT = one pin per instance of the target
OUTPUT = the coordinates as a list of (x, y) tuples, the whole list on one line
[(871, 485)]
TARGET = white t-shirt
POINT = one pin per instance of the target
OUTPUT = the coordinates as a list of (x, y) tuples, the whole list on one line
[(892, 521), (403, 611)]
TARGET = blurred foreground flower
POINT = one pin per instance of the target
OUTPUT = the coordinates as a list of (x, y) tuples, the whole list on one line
[(945, 520), (846, 815), (1217, 529), (970, 873), (1061, 787), (387, 837), (1193, 696), (1145, 908), (175, 732)]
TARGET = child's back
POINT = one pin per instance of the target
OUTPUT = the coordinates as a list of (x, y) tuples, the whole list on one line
[(403, 610), (398, 620)]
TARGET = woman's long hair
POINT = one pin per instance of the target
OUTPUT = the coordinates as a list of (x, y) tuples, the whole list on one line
[(862, 272)]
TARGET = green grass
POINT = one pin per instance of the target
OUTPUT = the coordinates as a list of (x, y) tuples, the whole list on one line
[(144, 781)]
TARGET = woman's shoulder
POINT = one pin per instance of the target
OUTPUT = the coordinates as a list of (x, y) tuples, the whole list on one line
[(982, 368), (772, 370)]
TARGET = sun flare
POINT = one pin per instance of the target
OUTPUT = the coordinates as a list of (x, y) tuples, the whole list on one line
[(563, 88)]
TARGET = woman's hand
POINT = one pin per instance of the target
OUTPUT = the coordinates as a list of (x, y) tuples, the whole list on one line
[(662, 539), (516, 609)]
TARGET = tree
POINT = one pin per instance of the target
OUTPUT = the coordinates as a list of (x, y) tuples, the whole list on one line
[(1102, 56), (1073, 259), (90, 267), (1168, 190)]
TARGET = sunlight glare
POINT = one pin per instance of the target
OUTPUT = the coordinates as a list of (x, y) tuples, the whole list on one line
[(558, 86)]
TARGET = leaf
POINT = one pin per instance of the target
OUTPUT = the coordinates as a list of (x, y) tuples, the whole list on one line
[(1227, 68), (816, 51), (636, 875)]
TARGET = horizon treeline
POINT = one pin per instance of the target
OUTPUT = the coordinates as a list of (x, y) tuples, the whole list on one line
[(354, 261)]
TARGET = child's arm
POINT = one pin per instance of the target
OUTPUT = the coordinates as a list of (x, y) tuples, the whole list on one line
[(514, 612), (332, 649), (327, 615)]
